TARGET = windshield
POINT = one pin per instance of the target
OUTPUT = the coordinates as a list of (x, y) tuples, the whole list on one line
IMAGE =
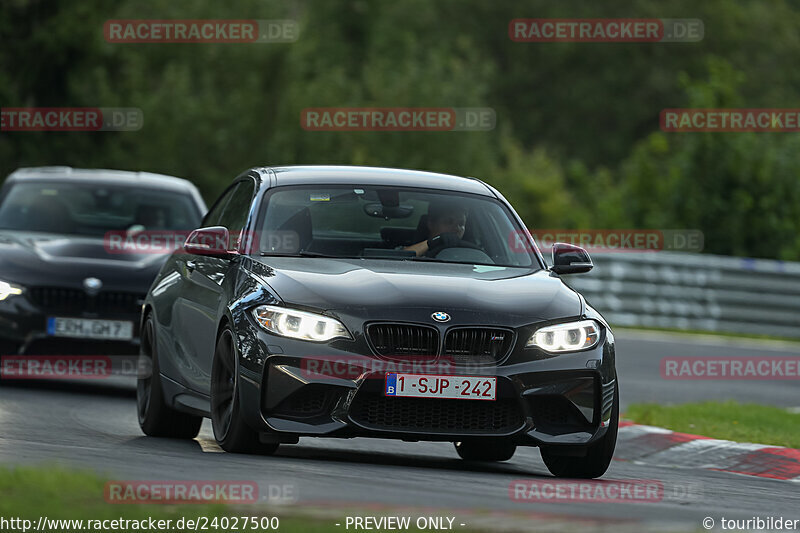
[(390, 223), (94, 209)]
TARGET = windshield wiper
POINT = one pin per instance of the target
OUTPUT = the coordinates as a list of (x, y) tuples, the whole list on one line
[(303, 253)]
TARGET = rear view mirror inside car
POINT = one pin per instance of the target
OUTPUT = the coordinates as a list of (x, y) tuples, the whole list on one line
[(378, 210)]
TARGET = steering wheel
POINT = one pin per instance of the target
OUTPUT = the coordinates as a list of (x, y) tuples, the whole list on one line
[(447, 240)]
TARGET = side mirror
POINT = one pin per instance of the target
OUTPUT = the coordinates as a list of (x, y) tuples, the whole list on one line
[(212, 242), (570, 259)]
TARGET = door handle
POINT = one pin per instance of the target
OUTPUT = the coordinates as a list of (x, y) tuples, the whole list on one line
[(191, 265)]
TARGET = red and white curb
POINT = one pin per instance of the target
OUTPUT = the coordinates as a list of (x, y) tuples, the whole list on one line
[(662, 447)]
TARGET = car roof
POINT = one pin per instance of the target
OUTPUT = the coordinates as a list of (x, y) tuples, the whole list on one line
[(104, 176), (351, 175)]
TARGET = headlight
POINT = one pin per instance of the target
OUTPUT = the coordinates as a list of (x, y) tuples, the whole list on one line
[(569, 337), (6, 290), (299, 324)]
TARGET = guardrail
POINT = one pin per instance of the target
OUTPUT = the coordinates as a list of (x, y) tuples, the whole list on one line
[(694, 292)]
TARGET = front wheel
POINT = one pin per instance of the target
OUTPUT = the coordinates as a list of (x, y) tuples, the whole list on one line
[(597, 458), (485, 450), (230, 430)]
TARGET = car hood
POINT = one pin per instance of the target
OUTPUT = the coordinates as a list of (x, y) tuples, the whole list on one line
[(33, 258), (378, 289)]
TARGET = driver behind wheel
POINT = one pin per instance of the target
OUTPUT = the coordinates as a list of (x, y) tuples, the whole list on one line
[(446, 223)]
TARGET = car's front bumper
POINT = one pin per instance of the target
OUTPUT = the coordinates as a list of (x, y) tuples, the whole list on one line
[(23, 331), (563, 400)]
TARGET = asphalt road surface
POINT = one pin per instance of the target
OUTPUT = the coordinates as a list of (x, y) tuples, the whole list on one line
[(93, 425)]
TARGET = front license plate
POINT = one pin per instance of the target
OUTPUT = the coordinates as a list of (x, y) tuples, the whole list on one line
[(428, 386), (89, 328)]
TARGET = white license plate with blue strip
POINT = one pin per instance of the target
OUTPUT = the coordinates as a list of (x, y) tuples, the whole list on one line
[(433, 386)]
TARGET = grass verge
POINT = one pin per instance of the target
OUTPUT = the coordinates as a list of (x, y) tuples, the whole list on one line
[(57, 493), (730, 420)]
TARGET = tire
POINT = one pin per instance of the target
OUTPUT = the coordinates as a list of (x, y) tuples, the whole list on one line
[(156, 418), (230, 430), (7, 349), (485, 450), (597, 458)]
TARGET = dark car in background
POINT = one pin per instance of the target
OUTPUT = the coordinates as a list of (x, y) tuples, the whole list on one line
[(68, 284), (351, 301)]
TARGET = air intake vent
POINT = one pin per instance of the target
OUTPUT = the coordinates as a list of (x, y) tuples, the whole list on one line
[(76, 301), (478, 346), (436, 415), (403, 340)]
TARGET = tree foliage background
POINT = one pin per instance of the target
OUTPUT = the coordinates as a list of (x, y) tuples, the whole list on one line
[(577, 142)]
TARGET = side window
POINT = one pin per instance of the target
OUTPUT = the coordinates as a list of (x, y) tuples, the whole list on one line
[(234, 216), (213, 216)]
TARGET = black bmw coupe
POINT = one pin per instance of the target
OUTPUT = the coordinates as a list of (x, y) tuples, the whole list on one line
[(351, 301), (70, 281)]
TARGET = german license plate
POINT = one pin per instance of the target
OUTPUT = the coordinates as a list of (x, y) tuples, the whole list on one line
[(453, 387), (89, 328)]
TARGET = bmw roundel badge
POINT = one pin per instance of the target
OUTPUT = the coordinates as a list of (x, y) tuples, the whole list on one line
[(92, 286), (440, 316)]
